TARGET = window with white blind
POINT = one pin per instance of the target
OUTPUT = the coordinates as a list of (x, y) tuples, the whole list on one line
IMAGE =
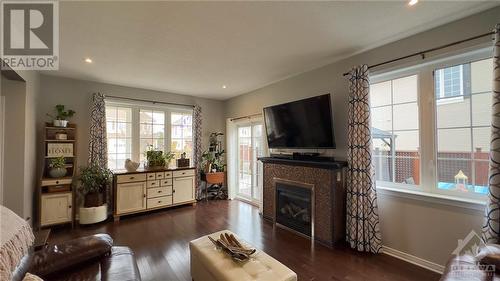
[(431, 126), (134, 128)]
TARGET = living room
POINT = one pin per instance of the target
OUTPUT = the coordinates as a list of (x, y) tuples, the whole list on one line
[(253, 140)]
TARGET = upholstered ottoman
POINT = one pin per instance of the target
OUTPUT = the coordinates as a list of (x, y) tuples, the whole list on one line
[(210, 264)]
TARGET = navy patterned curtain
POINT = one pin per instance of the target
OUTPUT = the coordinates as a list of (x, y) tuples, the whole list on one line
[(362, 224), (197, 145), (491, 228), (98, 145)]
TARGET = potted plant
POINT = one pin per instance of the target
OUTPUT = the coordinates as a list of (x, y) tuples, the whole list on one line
[(154, 158), (57, 167), (93, 182), (169, 156), (62, 116)]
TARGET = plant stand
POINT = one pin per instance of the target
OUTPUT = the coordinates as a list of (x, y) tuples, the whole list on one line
[(93, 214)]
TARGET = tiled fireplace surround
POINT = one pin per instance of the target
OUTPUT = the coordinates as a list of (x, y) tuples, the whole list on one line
[(329, 193)]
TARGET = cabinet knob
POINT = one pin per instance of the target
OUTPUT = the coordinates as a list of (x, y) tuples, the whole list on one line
[(57, 182), (144, 195), (132, 178), (159, 191), (152, 183), (69, 207), (173, 190), (159, 201)]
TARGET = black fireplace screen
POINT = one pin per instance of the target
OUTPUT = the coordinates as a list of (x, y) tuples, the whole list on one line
[(293, 207)]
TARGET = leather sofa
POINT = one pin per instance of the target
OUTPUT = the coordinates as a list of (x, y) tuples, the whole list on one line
[(87, 258), (484, 266)]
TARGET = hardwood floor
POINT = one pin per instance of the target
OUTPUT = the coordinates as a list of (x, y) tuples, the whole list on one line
[(160, 242)]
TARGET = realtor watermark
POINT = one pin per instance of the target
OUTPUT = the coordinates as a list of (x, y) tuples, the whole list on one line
[(30, 35), (471, 246)]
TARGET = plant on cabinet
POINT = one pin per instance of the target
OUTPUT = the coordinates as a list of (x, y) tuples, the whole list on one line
[(57, 167), (62, 116)]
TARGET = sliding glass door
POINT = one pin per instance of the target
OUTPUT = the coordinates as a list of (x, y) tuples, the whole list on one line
[(250, 146)]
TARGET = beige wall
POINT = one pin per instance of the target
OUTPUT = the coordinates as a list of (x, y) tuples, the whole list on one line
[(20, 171), (76, 95), (426, 230)]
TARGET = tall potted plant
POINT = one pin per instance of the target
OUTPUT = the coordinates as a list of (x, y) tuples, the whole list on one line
[(93, 183)]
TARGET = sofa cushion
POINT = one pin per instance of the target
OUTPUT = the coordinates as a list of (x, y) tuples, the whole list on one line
[(74, 252)]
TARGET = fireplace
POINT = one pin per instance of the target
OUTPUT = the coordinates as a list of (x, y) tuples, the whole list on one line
[(294, 206)]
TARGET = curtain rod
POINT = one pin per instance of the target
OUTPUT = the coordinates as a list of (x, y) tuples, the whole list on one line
[(150, 101), (422, 53), (246, 117)]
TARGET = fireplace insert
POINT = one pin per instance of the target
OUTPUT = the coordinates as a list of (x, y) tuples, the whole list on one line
[(294, 206)]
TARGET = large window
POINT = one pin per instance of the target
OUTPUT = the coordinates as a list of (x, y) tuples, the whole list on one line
[(132, 129), (431, 126), (463, 128), (119, 131), (395, 130)]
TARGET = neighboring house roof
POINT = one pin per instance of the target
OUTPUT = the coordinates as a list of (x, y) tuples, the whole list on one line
[(380, 134)]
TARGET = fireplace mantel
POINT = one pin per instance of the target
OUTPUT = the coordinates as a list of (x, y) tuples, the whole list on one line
[(329, 193)]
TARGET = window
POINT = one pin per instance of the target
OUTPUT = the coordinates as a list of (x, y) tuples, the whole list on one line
[(182, 134), (449, 82), (132, 129), (152, 130), (440, 146), (463, 130), (250, 147), (395, 130), (119, 133)]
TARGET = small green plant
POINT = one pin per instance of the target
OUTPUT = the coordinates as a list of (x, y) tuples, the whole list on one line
[(169, 156), (213, 160), (58, 162), (94, 179), (154, 158), (61, 113)]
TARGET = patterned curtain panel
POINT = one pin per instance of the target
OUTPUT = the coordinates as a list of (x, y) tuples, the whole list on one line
[(491, 228), (98, 146), (197, 145), (362, 233)]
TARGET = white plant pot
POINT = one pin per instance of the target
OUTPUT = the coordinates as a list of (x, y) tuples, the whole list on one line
[(57, 172), (60, 123), (93, 214)]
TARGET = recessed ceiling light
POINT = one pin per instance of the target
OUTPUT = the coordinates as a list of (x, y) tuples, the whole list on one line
[(88, 60), (412, 2), (224, 86)]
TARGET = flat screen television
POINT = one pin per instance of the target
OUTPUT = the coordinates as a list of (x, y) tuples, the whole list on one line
[(304, 123)]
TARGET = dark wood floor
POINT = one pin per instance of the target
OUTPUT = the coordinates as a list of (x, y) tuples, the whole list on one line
[(160, 242)]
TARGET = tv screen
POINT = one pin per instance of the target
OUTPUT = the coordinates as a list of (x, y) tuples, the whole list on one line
[(304, 123)]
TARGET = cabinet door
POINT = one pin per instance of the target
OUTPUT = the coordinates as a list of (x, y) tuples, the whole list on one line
[(55, 208), (183, 189), (130, 197)]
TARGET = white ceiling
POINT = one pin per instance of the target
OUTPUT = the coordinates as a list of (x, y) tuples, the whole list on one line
[(194, 48)]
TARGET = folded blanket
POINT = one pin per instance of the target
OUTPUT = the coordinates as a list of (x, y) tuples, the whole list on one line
[(16, 237)]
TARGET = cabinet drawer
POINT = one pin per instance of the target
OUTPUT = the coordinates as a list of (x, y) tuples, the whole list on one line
[(160, 176), (166, 182), (159, 202), (168, 175), (56, 182), (159, 191), (151, 176), (184, 173), (130, 178), (155, 183)]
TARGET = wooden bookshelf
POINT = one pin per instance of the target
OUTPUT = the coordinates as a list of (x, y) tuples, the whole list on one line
[(56, 196)]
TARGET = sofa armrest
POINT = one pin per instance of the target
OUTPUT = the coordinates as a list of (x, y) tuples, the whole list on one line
[(61, 256)]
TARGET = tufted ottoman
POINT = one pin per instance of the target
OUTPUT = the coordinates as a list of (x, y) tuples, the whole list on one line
[(210, 264)]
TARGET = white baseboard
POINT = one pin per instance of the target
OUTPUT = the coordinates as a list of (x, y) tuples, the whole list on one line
[(413, 259)]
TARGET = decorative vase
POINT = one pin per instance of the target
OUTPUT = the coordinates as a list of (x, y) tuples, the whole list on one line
[(93, 199), (57, 172), (131, 166), (60, 123)]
